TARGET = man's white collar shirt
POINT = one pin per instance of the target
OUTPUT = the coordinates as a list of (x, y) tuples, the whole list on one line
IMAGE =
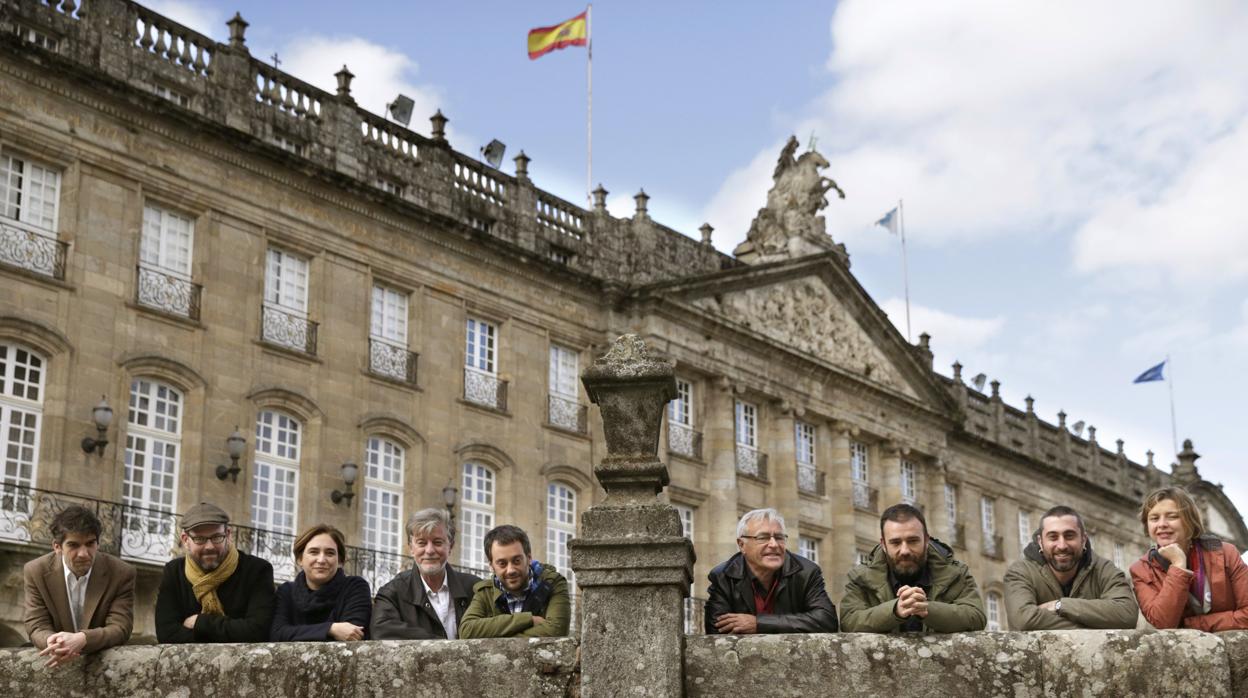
[(76, 590), (441, 601)]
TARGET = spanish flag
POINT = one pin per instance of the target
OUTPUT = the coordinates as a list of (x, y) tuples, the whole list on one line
[(573, 32)]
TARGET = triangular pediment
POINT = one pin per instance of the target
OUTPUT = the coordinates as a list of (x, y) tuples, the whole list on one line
[(814, 308)]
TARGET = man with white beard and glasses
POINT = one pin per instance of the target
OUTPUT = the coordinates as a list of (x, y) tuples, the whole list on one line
[(428, 602), (910, 583), (1061, 584)]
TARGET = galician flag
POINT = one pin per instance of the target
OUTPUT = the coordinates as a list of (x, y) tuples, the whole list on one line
[(889, 221), (1152, 374), (573, 32)]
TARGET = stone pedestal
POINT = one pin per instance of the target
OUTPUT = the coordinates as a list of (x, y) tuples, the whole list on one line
[(632, 563)]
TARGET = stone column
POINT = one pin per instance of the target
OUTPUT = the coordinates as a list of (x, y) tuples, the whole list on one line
[(632, 563), (719, 444), (782, 469), (841, 496)]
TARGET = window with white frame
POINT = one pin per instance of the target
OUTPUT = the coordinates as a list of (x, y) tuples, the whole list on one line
[(476, 515), (389, 319), (686, 520), (747, 424), (563, 372), (153, 443), (951, 511), (36, 37), (167, 241), (174, 96), (482, 350), (808, 548), (804, 443), (862, 557), (1120, 555), (383, 495), (859, 462), (21, 412), (286, 282), (909, 482), (680, 410), (1024, 529), (992, 604), (275, 478), (29, 193), (560, 527), (987, 516)]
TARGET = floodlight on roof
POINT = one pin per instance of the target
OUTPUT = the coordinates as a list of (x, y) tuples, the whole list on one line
[(1078, 427), (979, 381), (492, 153), (401, 109)]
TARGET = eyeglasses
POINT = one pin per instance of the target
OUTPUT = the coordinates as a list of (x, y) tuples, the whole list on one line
[(762, 538), (215, 539)]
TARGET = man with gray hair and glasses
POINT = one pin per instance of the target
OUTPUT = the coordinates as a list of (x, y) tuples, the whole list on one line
[(764, 588), (425, 603)]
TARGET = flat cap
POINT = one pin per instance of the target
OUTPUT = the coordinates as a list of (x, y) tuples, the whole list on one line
[(204, 513)]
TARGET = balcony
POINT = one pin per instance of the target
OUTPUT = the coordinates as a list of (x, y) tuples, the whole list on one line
[(810, 480), (24, 247), (993, 547), (392, 361), (284, 329), (567, 414), (866, 497), (684, 441), (168, 294), (751, 461), (485, 389)]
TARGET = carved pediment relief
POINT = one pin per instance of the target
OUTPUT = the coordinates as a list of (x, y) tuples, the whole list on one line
[(804, 314)]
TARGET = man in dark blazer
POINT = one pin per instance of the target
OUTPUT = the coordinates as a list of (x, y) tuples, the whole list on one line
[(78, 599), (216, 593), (428, 602)]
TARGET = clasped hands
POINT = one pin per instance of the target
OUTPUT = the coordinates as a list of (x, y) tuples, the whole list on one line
[(911, 601), (63, 648)]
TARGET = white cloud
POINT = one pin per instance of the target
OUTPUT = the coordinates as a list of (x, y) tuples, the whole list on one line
[(953, 336), (205, 20), (995, 120)]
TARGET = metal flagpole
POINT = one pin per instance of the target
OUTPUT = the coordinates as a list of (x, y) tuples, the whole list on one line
[(589, 112), (905, 267), (1174, 431)]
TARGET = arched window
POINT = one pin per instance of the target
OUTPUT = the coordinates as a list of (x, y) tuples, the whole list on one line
[(992, 604), (560, 527), (150, 481), (275, 484), (476, 516), (383, 495), (21, 411)]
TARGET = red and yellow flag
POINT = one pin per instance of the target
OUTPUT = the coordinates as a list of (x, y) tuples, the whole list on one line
[(574, 32)]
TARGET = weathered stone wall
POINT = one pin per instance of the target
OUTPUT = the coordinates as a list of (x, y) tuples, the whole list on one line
[(469, 668)]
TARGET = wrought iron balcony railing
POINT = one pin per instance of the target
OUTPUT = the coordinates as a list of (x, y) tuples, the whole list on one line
[(567, 414), (287, 330), (810, 480), (25, 248), (866, 497), (167, 293), (684, 441), (751, 461), (485, 389), (392, 361)]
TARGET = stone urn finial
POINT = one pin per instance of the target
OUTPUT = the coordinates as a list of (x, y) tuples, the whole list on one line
[(522, 165), (600, 199), (344, 77), (438, 129), (238, 29)]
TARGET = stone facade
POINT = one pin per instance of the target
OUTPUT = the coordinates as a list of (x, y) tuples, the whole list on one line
[(228, 242)]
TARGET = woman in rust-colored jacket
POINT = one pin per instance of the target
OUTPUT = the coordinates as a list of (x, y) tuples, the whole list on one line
[(1188, 579)]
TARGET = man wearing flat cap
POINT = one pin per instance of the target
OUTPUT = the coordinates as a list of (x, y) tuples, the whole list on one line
[(216, 593)]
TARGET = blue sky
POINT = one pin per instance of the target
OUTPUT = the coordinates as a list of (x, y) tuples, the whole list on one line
[(1070, 172)]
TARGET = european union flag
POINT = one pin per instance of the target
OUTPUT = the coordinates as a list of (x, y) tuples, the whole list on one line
[(1152, 374)]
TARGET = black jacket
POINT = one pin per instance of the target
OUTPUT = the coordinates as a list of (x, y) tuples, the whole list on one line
[(402, 612), (354, 604), (247, 597), (801, 604)]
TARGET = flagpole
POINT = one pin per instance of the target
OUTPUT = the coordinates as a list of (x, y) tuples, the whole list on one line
[(1174, 431), (905, 267), (589, 111)]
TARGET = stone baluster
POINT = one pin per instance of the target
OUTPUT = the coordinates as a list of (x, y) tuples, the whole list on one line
[(632, 563)]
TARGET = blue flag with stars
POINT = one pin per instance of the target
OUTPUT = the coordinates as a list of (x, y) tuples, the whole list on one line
[(1152, 374)]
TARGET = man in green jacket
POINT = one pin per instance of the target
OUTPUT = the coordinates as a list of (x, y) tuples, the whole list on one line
[(524, 598), (1060, 584), (911, 583)]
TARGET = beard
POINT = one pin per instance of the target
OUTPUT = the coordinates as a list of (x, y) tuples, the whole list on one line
[(905, 566), (1071, 562), (429, 569)]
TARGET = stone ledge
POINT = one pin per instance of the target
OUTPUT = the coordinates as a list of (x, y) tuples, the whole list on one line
[(467, 668)]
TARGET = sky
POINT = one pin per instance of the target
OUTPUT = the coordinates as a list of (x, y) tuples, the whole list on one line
[(1069, 170)]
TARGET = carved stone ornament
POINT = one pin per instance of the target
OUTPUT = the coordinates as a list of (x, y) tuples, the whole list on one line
[(804, 314), (790, 225)]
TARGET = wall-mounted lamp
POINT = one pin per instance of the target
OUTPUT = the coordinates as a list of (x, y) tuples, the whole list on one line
[(449, 495), (102, 415), (349, 471), (235, 445)]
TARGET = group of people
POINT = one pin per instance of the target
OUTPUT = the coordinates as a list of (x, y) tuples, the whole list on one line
[(80, 600), (911, 582)]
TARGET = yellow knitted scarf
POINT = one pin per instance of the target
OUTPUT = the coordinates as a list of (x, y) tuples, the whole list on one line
[(204, 584)]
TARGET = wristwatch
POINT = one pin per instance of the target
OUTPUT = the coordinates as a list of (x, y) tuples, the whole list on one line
[(1057, 607)]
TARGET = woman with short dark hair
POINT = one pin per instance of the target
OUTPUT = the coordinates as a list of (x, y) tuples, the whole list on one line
[(1189, 578), (322, 602)]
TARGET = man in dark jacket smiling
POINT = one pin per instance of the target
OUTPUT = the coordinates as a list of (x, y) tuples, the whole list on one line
[(216, 593), (763, 588)]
